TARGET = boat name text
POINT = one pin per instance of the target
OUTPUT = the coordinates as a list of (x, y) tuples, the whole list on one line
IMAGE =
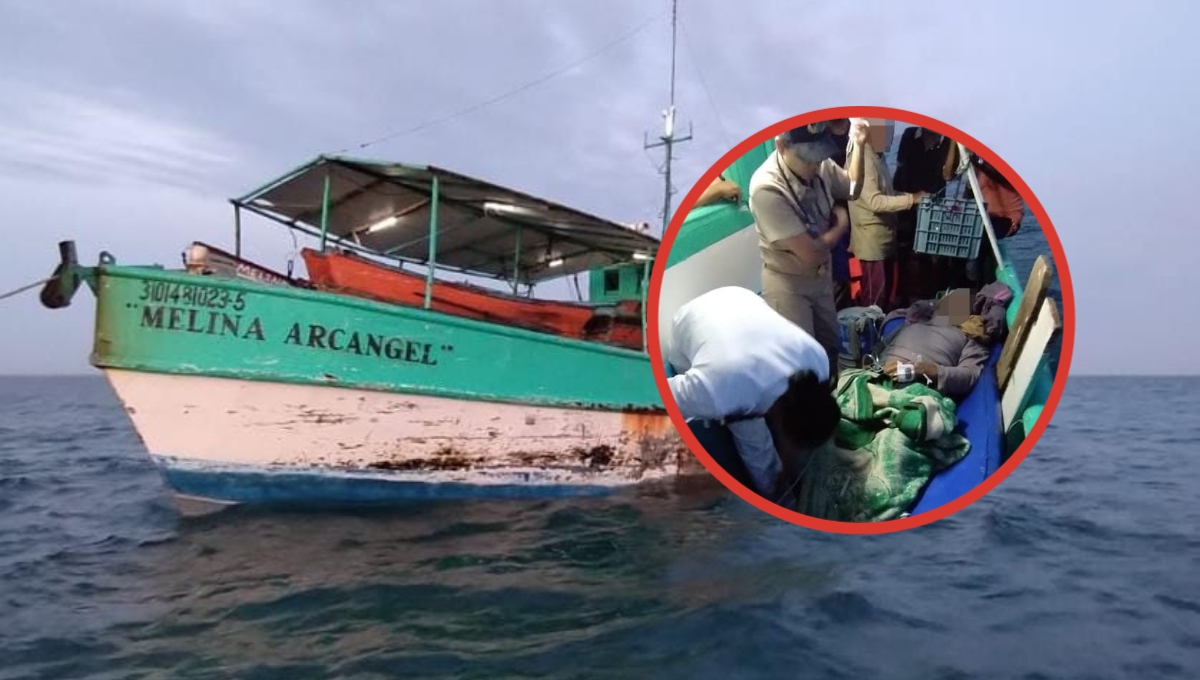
[(317, 336)]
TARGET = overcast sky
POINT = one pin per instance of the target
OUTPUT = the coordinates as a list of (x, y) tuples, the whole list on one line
[(126, 125)]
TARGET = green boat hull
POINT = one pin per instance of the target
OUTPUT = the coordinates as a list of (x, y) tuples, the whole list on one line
[(250, 392)]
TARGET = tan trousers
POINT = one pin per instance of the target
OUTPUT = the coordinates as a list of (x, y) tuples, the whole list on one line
[(808, 302)]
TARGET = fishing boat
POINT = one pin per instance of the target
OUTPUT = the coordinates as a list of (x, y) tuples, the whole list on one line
[(717, 245), (375, 379)]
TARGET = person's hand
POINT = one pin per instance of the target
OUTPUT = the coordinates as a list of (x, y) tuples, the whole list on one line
[(921, 369), (858, 131), (918, 195), (728, 191), (926, 369), (892, 369), (719, 190), (839, 222)]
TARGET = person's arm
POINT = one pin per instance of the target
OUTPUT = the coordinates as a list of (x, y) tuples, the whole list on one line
[(756, 447), (815, 249), (952, 381), (858, 133), (781, 226), (956, 382), (693, 397), (841, 226), (876, 200), (721, 189), (846, 184)]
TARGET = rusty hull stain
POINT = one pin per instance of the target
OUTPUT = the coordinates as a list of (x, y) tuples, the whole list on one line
[(317, 417), (595, 457), (648, 443), (421, 464), (647, 424)]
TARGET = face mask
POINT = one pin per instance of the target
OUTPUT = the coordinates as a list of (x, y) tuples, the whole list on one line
[(810, 153)]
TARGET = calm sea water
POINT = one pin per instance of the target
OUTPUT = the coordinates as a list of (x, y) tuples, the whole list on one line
[(1083, 564)]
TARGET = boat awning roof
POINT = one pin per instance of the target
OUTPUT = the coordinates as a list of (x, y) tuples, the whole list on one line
[(384, 208)]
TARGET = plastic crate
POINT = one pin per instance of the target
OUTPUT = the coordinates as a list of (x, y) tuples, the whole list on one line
[(951, 227)]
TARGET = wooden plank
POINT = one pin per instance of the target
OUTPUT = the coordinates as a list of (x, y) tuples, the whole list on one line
[(1045, 326), (1031, 302)]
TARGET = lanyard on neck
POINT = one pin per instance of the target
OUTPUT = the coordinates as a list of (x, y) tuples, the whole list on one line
[(819, 188)]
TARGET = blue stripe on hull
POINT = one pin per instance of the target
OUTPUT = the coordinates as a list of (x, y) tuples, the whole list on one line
[(262, 487)]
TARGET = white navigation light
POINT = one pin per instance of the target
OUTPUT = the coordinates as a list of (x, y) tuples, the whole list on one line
[(385, 223), (507, 209), (556, 262), (641, 257)]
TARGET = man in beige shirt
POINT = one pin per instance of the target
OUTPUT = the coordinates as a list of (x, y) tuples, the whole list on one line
[(792, 197), (873, 221)]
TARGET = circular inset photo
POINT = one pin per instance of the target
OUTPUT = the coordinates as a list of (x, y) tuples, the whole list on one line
[(864, 320)]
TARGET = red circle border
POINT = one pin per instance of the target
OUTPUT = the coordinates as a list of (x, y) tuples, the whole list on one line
[(1032, 437)]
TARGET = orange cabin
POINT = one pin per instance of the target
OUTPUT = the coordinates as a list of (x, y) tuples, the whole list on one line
[(350, 274)]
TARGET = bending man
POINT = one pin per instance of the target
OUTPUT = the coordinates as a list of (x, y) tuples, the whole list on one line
[(741, 362)]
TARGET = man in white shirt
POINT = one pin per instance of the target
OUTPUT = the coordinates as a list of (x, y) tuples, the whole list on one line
[(740, 361)]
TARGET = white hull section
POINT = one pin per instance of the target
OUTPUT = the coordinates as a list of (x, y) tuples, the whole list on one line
[(224, 426)]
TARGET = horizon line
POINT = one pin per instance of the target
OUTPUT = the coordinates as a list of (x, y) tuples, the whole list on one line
[(98, 374)]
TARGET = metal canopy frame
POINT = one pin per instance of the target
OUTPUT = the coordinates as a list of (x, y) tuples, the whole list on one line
[(474, 227)]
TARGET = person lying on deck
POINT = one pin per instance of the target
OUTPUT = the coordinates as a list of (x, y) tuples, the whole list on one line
[(947, 352), (739, 361)]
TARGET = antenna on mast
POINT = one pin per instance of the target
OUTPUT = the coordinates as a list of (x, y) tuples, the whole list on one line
[(667, 138)]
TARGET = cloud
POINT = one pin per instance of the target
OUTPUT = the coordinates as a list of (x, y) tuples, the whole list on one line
[(85, 139)]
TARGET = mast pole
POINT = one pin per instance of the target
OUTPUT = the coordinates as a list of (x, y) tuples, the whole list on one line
[(674, 22), (668, 139), (237, 230)]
